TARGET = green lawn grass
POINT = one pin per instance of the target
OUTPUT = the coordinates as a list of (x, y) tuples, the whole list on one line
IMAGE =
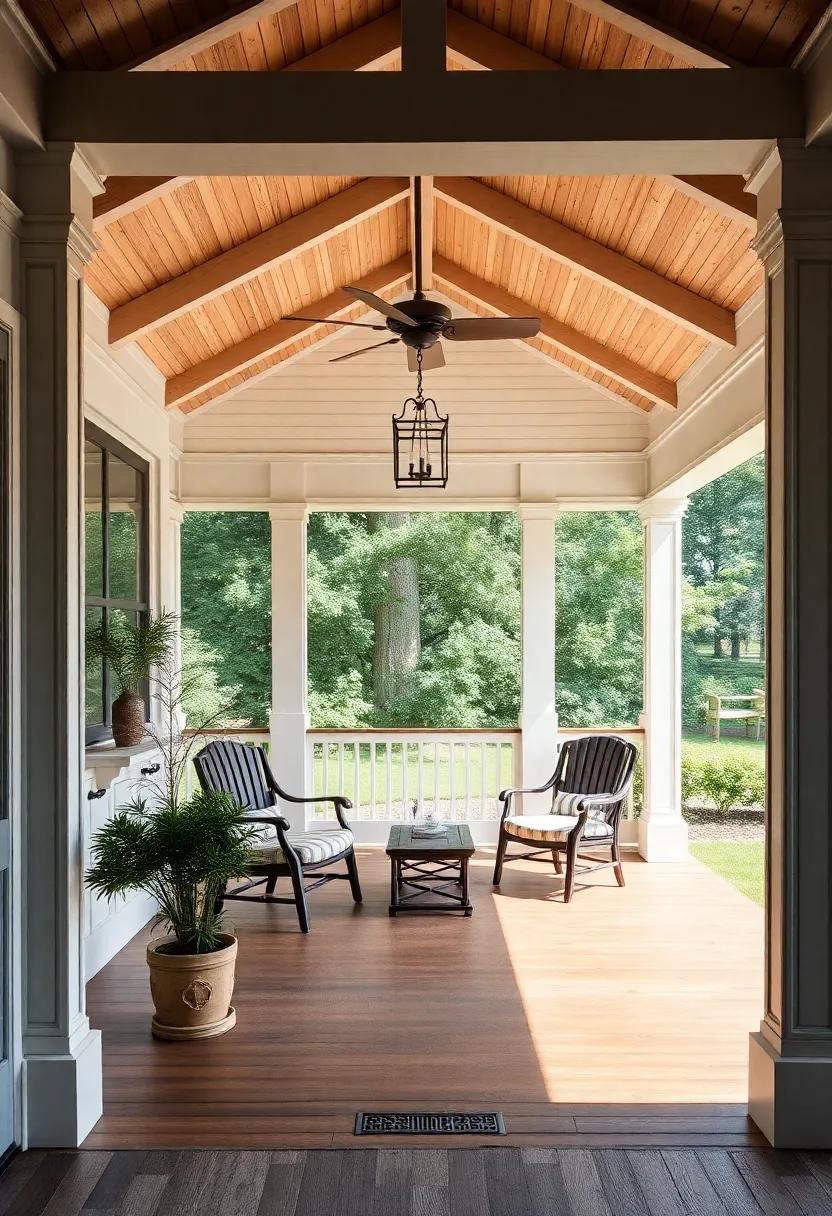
[(740, 862), (700, 746)]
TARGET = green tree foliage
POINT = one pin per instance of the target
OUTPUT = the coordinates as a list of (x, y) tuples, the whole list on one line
[(226, 606), (599, 594)]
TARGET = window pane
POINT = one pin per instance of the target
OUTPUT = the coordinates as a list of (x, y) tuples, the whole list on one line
[(93, 518), (125, 505), (94, 688)]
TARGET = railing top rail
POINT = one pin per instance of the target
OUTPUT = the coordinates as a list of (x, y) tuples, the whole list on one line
[(600, 730), (414, 730), (225, 731)]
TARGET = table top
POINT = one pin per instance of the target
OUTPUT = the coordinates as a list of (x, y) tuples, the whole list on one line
[(457, 840)]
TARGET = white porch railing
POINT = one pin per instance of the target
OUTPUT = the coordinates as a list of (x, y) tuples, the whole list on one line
[(458, 773)]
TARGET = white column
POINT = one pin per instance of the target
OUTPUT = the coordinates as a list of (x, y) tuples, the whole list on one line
[(662, 831), (790, 1073), (62, 1055), (290, 715), (538, 718), (172, 582)]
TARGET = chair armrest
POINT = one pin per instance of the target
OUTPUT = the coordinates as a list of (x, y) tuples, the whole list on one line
[(340, 803), (505, 796), (274, 821)]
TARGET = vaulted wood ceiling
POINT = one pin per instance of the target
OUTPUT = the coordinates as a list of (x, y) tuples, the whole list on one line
[(632, 276)]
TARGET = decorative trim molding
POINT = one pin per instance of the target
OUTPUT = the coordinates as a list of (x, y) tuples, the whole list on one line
[(11, 216), (189, 456), (27, 36)]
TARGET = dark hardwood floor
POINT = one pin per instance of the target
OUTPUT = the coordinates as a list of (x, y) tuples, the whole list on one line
[(420, 1182)]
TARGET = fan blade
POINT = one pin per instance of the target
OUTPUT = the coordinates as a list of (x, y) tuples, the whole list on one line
[(333, 321), (353, 354), (474, 329), (432, 357), (380, 305)]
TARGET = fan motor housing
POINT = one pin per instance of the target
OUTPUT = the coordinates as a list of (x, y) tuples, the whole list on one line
[(430, 317)]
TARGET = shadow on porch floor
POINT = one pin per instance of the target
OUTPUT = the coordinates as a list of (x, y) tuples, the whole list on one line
[(622, 1017)]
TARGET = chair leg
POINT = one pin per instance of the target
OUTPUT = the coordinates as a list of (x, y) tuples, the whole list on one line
[(616, 861), (571, 858), (271, 883), (352, 870), (300, 899), (556, 859), (498, 863)]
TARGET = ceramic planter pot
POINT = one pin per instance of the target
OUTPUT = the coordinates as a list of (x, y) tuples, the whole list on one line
[(128, 719), (192, 992)]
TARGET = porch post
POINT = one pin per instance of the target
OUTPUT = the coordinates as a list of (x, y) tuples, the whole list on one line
[(662, 831), (62, 1055), (174, 581), (538, 718), (790, 1082), (290, 717)]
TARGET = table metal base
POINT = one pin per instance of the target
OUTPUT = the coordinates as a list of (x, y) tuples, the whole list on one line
[(447, 878)]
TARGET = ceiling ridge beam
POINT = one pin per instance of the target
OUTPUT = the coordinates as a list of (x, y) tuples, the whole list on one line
[(590, 257), (562, 336), (421, 231), (658, 33), (480, 48), (242, 355), (245, 261), (208, 34)]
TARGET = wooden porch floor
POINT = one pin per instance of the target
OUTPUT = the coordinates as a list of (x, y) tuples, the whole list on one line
[(621, 1018)]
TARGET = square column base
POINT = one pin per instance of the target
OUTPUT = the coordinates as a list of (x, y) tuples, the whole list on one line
[(790, 1097), (662, 837), (63, 1095)]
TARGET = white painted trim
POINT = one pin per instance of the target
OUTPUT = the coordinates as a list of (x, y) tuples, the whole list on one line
[(13, 321), (26, 35)]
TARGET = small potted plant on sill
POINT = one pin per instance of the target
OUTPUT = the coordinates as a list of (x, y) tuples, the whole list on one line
[(182, 851), (132, 651)]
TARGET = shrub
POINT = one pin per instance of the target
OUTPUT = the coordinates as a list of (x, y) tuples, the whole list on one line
[(727, 783)]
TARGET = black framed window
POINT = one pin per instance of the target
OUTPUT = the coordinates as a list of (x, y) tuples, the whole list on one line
[(116, 557)]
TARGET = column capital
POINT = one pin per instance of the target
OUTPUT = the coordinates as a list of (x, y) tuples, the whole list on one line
[(288, 511), (662, 508), (538, 510), (176, 511)]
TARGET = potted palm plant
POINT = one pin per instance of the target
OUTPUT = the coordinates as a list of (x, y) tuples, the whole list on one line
[(181, 849), (131, 652)]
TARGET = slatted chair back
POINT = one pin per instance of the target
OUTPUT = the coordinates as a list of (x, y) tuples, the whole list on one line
[(239, 770), (596, 764)]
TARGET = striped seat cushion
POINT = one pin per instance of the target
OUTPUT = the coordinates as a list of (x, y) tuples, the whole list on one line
[(555, 827), (309, 846)]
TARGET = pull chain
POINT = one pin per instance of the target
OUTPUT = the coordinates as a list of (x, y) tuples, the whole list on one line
[(419, 373)]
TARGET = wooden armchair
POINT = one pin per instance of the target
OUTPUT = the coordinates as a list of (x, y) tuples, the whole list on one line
[(589, 788), (244, 772), (749, 708)]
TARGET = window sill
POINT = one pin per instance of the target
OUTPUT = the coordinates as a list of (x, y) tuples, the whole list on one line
[(104, 763)]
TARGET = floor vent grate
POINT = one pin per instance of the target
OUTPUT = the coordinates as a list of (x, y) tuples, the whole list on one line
[(387, 1123)]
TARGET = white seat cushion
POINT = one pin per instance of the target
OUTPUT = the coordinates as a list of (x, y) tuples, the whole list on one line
[(309, 846), (555, 827)]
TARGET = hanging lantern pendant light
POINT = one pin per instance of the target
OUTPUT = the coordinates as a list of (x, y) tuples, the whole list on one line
[(420, 440)]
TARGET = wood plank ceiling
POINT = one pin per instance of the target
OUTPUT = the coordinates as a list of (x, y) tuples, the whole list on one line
[(633, 276)]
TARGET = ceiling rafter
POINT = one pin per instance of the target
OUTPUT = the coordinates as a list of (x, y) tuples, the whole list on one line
[(243, 262), (191, 42), (590, 257), (422, 230), (242, 355), (651, 29), (563, 337), (478, 47), (123, 195)]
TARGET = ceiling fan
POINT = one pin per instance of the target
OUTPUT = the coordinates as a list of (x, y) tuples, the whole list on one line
[(420, 323)]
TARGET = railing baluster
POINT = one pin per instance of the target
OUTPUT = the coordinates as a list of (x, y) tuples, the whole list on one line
[(421, 772), (373, 814), (467, 772), (452, 779), (483, 781), (405, 783), (388, 778), (356, 777), (340, 756)]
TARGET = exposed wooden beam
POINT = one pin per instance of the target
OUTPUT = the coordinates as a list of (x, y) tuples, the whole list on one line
[(591, 258), (658, 33), (250, 258), (365, 122), (476, 46), (566, 339), (123, 195), (191, 42), (370, 47), (245, 354), (724, 194), (421, 231), (424, 38)]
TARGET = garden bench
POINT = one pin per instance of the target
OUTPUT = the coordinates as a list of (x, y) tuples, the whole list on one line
[(749, 708)]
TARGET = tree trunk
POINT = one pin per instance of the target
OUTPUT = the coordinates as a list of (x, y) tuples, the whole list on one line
[(717, 644), (397, 646), (735, 644)]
